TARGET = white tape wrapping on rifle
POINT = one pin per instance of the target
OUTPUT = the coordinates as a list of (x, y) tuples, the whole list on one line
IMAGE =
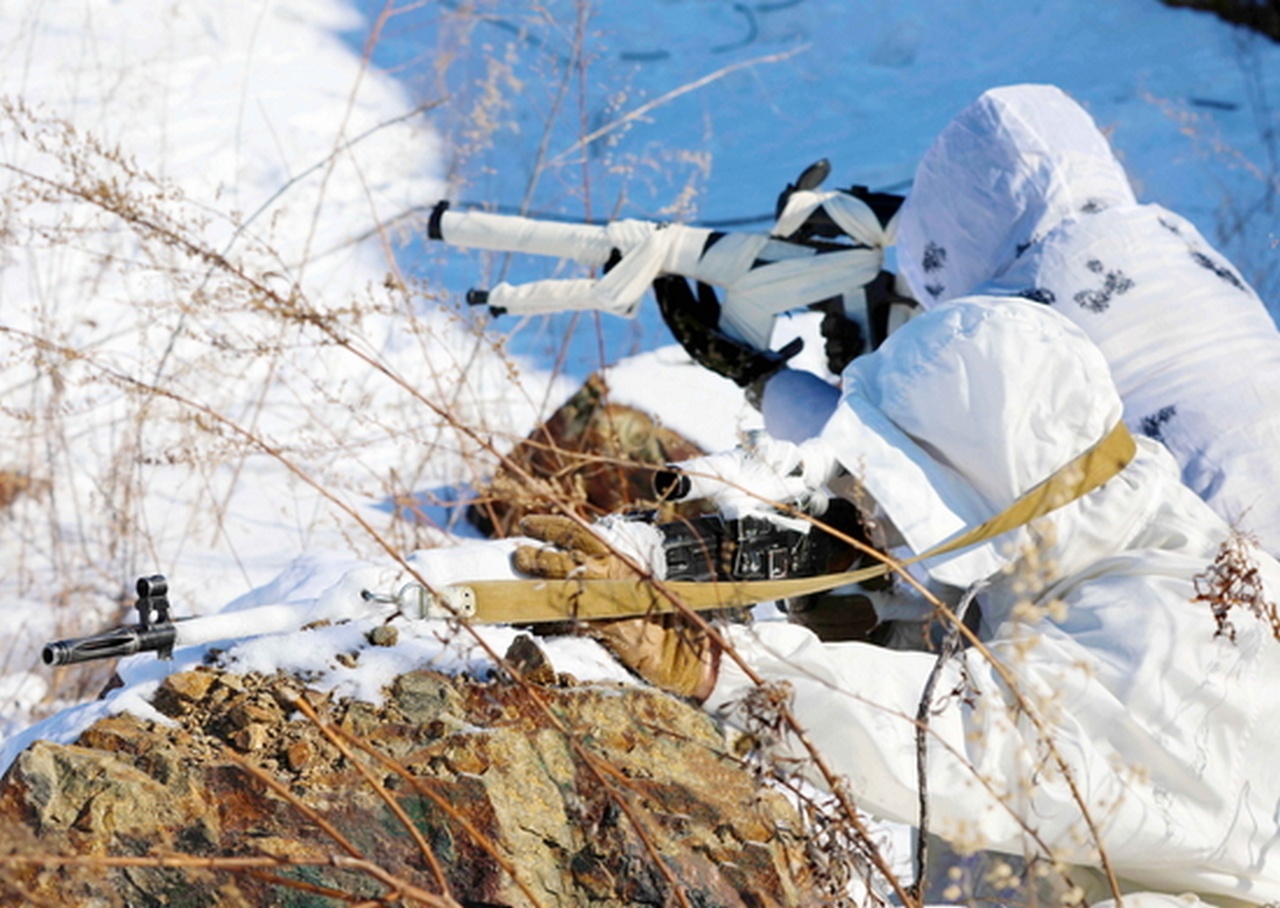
[(587, 244)]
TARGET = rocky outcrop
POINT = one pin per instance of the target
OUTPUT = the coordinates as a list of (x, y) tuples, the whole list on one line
[(261, 792)]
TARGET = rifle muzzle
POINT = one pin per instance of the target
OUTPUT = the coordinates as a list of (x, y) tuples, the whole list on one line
[(124, 641)]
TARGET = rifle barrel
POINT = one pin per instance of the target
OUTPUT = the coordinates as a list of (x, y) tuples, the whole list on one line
[(121, 641)]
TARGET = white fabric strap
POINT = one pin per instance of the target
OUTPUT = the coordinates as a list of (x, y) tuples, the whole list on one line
[(752, 302), (850, 214)]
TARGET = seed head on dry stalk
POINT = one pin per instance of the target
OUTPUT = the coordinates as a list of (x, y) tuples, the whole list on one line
[(1233, 582)]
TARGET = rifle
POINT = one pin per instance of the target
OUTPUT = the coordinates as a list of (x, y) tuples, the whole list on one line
[(743, 554), (158, 632), (825, 246)]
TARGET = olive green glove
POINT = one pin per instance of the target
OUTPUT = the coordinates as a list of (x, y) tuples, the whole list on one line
[(666, 650), (579, 553)]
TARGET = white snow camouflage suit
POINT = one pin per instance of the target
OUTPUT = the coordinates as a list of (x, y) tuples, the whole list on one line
[(1021, 195), (1059, 306), (1167, 727)]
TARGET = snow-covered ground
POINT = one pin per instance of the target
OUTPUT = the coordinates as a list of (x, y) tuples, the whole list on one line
[(241, 416)]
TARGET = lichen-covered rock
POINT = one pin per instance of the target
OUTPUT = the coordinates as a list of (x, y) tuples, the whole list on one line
[(502, 794)]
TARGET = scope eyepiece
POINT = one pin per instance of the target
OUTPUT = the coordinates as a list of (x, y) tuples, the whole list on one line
[(671, 485)]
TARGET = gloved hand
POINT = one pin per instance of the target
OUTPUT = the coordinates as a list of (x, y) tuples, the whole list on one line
[(745, 481), (589, 554), (666, 650)]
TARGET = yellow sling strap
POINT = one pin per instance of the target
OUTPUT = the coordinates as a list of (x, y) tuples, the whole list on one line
[(533, 601)]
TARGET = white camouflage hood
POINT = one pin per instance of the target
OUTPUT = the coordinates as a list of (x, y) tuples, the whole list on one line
[(965, 409), (1014, 164)]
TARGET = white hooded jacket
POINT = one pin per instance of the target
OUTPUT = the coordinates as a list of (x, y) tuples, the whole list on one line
[(1162, 723), (1020, 196)]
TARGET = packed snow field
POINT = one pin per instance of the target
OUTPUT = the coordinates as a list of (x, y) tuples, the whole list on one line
[(228, 356)]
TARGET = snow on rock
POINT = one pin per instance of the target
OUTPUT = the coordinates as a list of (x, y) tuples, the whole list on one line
[(312, 622), (210, 362)]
